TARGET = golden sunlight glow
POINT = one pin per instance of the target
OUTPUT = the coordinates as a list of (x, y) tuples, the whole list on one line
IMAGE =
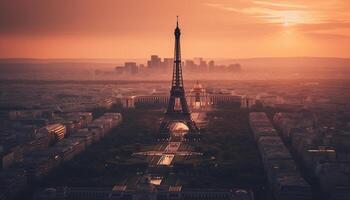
[(178, 128), (286, 18), (211, 28), (290, 18)]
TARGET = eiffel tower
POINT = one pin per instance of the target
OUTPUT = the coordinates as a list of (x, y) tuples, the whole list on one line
[(177, 110)]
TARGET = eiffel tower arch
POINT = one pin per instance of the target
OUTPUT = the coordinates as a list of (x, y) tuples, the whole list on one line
[(177, 110)]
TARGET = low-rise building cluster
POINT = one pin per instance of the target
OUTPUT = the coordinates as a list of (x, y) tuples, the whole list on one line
[(50, 147), (283, 175), (12, 181), (145, 191), (323, 151)]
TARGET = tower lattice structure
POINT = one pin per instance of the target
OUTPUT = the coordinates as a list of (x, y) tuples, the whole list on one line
[(177, 110)]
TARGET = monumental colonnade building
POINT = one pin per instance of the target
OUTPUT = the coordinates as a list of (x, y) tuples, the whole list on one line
[(198, 97)]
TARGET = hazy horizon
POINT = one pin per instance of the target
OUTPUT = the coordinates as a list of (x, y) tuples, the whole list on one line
[(145, 58)]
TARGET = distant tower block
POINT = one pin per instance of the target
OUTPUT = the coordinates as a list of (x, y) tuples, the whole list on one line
[(177, 110)]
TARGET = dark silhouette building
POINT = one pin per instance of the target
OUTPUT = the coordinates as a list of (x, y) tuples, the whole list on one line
[(177, 110)]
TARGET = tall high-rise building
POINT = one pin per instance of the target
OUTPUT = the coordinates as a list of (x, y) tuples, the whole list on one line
[(203, 67), (155, 62), (190, 65), (211, 66), (131, 68), (168, 63)]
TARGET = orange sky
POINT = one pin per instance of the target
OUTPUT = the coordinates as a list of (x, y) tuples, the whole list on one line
[(138, 28)]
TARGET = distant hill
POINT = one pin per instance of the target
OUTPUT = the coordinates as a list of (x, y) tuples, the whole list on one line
[(69, 60), (48, 65)]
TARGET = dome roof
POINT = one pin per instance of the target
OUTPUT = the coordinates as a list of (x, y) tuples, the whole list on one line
[(197, 86)]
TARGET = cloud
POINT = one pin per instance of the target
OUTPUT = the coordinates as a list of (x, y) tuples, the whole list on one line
[(323, 36), (279, 5), (288, 13), (324, 26), (270, 15)]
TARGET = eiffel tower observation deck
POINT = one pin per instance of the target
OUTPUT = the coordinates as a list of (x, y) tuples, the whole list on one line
[(177, 110)]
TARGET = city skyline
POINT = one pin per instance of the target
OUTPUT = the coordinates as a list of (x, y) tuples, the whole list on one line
[(214, 29)]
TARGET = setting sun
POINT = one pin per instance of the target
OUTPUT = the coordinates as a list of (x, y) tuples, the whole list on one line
[(290, 18)]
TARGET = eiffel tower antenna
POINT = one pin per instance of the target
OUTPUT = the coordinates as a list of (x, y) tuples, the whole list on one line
[(177, 20)]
